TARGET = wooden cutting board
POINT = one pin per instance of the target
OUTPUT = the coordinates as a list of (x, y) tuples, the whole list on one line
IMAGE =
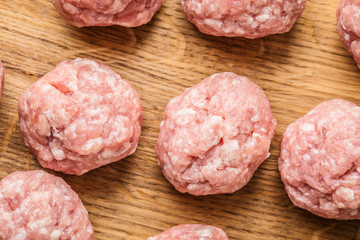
[(131, 199)]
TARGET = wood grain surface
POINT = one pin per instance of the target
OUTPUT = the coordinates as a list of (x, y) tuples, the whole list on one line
[(131, 199)]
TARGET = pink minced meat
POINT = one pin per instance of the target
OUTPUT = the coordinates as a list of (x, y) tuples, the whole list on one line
[(80, 116), (245, 18), (215, 135), (320, 160), (2, 78), (348, 27), (38, 205), (127, 13), (192, 232)]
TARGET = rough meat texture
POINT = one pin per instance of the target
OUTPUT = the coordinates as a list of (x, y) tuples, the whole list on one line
[(215, 135), (348, 27), (35, 205), (192, 232), (127, 13), (320, 160), (80, 116), (245, 18), (2, 78)]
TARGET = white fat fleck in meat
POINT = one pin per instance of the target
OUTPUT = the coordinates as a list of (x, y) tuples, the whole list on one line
[(55, 235), (346, 37), (255, 135), (213, 22), (231, 147), (220, 138), (92, 145), (250, 20), (348, 194), (43, 231), (185, 116), (57, 151), (198, 7), (308, 127), (254, 24), (206, 232), (255, 118), (262, 18), (240, 31), (21, 234), (306, 157)]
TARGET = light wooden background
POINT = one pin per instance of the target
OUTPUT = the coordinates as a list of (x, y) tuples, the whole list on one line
[(131, 199)]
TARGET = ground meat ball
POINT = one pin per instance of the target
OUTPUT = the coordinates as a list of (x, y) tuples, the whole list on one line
[(215, 135), (38, 205), (245, 18), (320, 160), (192, 232), (2, 78), (127, 13), (348, 27), (80, 116)]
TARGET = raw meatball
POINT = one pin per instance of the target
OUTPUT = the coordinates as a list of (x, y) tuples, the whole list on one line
[(127, 13), (80, 116), (245, 18), (38, 205), (320, 160), (2, 78), (215, 135), (348, 27), (192, 232)]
